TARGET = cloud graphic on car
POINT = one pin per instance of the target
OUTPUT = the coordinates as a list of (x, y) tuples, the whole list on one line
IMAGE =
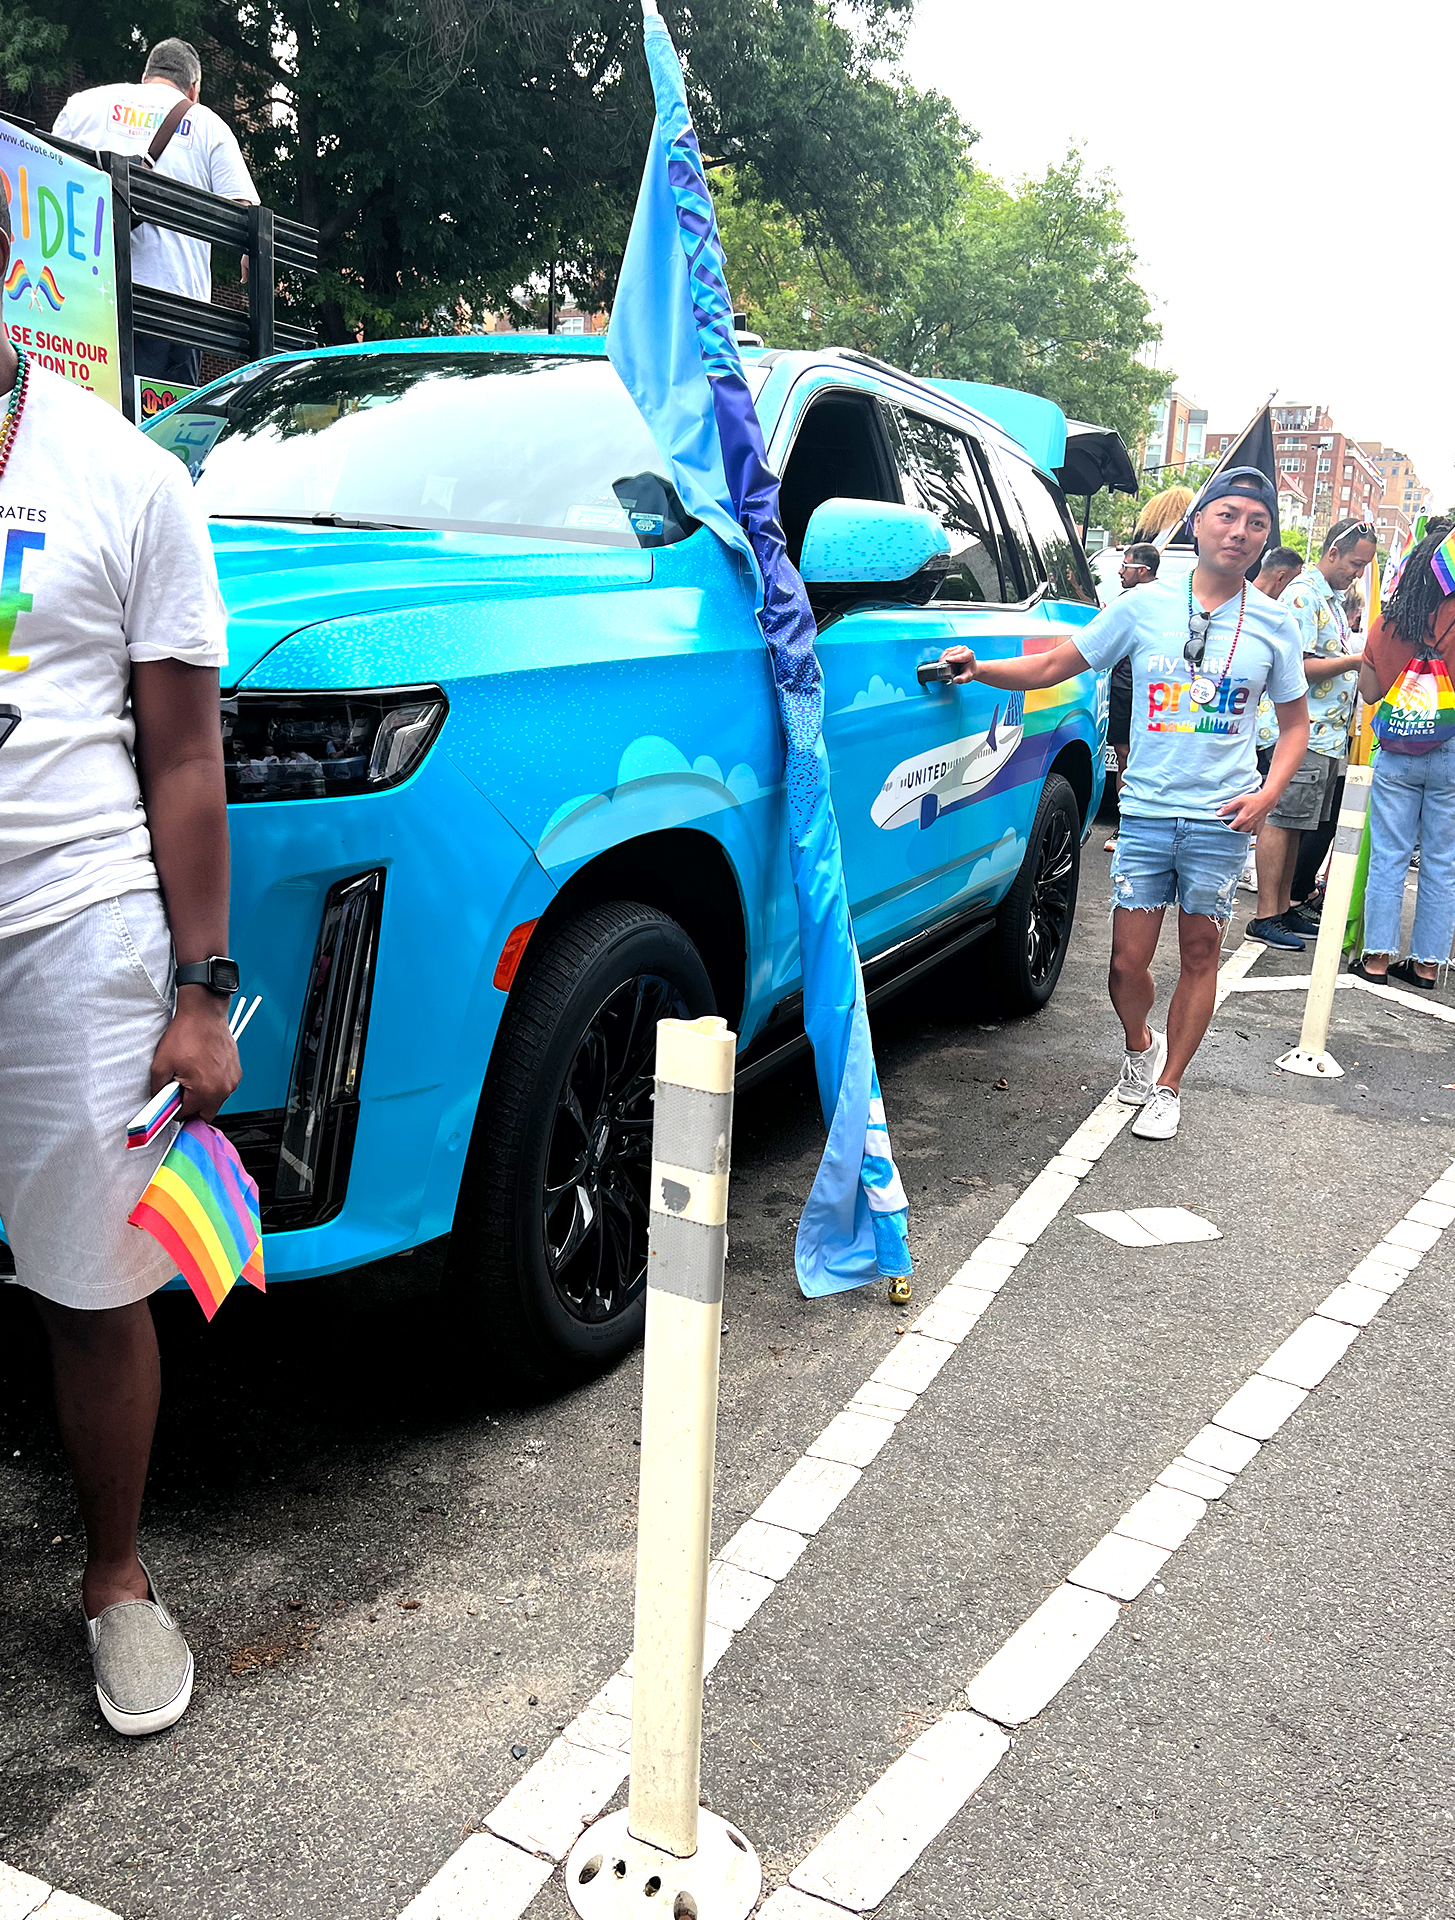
[(653, 775)]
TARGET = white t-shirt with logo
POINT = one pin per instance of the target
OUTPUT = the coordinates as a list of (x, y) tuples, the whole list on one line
[(203, 151), (104, 560)]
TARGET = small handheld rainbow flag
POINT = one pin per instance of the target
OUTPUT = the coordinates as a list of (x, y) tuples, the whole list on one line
[(202, 1205), (1442, 563)]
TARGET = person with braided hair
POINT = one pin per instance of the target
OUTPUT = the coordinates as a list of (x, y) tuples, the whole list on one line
[(1412, 801)]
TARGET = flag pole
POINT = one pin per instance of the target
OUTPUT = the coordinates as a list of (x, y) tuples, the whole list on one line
[(1160, 540)]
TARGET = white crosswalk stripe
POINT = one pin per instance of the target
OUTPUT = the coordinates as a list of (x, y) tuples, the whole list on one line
[(550, 1805)]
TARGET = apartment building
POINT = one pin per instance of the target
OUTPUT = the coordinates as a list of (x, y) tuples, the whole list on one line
[(1177, 433), (1337, 479), (1405, 496)]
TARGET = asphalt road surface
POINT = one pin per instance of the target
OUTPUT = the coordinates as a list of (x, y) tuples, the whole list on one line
[(399, 1588)]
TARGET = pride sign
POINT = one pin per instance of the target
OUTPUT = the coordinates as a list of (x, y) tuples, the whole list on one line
[(59, 297)]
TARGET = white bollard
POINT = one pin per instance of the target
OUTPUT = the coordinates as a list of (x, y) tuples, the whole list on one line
[(664, 1855), (1310, 1056)]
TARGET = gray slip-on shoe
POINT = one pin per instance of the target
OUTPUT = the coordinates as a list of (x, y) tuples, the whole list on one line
[(142, 1664)]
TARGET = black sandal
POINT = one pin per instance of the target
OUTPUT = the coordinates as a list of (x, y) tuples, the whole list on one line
[(1375, 979), (1405, 970)]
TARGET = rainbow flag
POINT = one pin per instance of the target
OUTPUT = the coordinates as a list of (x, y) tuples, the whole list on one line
[(202, 1205), (1400, 552), (47, 285), (1442, 563)]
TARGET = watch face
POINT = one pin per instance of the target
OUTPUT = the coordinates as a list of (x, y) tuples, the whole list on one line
[(225, 976)]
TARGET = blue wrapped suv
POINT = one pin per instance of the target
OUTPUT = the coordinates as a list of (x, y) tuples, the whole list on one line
[(506, 777)]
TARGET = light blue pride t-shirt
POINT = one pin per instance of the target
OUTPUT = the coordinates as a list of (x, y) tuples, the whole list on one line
[(1186, 761)]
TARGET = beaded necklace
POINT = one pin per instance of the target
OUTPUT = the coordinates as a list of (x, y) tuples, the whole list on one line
[(1205, 689), (11, 424)]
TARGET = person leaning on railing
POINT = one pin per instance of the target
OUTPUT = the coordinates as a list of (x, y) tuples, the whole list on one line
[(161, 117)]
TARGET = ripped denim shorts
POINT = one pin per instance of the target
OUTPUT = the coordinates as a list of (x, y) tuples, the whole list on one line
[(1192, 864)]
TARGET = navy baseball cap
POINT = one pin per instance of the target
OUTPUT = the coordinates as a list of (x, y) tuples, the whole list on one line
[(1248, 481)]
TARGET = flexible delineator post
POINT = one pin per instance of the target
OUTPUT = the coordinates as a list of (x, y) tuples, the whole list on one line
[(1311, 1055), (691, 1143)]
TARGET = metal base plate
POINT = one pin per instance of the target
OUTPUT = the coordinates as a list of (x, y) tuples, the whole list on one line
[(1314, 1066), (609, 1875)]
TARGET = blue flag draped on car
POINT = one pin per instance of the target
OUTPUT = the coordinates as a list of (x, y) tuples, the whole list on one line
[(671, 339)]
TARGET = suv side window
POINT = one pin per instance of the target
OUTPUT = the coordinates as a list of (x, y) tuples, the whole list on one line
[(1061, 552), (1012, 520), (838, 452), (939, 474)]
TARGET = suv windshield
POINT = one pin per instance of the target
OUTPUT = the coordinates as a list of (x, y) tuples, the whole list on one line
[(484, 442)]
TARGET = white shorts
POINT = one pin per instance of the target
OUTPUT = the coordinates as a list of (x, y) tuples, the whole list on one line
[(83, 1005)]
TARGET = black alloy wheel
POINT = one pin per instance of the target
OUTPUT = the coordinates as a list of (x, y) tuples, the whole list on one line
[(548, 1255), (1033, 926), (1053, 892), (595, 1197)]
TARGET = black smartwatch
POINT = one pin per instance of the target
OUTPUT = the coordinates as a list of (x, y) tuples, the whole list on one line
[(218, 975)]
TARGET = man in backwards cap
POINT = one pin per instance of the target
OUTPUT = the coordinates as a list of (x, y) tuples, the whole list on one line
[(1201, 652)]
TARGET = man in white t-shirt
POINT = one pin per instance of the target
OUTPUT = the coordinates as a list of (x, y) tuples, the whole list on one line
[(202, 150), (113, 943)]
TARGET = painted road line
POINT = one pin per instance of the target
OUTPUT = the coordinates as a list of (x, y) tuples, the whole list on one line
[(1151, 1226), (1017, 1683), (574, 1780), (23, 1897), (876, 1845), (1298, 983)]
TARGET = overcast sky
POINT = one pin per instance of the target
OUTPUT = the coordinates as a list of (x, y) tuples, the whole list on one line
[(1220, 125)]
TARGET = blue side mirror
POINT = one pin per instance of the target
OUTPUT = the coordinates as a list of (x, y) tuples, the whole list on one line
[(873, 543)]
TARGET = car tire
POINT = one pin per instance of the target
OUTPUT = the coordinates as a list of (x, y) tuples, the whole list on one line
[(561, 1152), (1033, 926)]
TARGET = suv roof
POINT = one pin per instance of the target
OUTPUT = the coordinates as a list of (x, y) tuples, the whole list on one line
[(1021, 424)]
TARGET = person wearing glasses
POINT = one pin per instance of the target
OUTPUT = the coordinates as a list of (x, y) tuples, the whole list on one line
[(1203, 650), (1138, 569), (1310, 806)]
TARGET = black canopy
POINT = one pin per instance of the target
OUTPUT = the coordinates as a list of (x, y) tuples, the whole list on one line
[(1096, 457)]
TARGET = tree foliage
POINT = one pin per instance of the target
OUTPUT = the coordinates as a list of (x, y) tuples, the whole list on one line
[(449, 151), (1033, 287)]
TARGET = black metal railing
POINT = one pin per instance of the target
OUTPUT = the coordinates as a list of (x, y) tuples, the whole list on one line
[(270, 242)]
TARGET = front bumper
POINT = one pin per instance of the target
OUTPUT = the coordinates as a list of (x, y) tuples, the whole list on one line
[(370, 926)]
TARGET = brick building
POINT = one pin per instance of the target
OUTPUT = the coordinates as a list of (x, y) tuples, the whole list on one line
[(1405, 497), (1336, 477), (1176, 434)]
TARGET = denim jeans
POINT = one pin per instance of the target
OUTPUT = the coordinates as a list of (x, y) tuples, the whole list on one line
[(1413, 798), (1193, 864)]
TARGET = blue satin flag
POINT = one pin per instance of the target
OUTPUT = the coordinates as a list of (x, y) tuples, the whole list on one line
[(671, 339)]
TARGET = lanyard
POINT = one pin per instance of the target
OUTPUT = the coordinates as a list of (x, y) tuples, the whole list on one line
[(1204, 689)]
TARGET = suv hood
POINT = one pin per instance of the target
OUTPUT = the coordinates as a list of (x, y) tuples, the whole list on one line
[(277, 580)]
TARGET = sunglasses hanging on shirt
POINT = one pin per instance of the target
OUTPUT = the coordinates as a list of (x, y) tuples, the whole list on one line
[(1204, 689)]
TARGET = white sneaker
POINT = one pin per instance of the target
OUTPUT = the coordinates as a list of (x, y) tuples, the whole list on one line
[(1139, 1071), (1159, 1117)]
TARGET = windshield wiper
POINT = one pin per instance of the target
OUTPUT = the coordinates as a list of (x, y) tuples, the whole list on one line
[(324, 520)]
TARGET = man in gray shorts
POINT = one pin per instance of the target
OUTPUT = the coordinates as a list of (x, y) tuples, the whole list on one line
[(113, 943), (1315, 598)]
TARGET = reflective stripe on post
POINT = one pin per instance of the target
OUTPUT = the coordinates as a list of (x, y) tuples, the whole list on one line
[(691, 1144), (1310, 1056)]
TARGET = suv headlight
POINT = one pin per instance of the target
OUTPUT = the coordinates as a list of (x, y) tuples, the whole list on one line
[(317, 746)]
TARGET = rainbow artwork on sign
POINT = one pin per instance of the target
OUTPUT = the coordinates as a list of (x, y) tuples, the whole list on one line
[(59, 297)]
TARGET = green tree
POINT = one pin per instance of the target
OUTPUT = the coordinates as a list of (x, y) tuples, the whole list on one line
[(1032, 287), (451, 151)]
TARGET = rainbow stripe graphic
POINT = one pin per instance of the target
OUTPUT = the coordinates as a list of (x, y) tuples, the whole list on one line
[(202, 1205), (1442, 563), (46, 284), (17, 280)]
